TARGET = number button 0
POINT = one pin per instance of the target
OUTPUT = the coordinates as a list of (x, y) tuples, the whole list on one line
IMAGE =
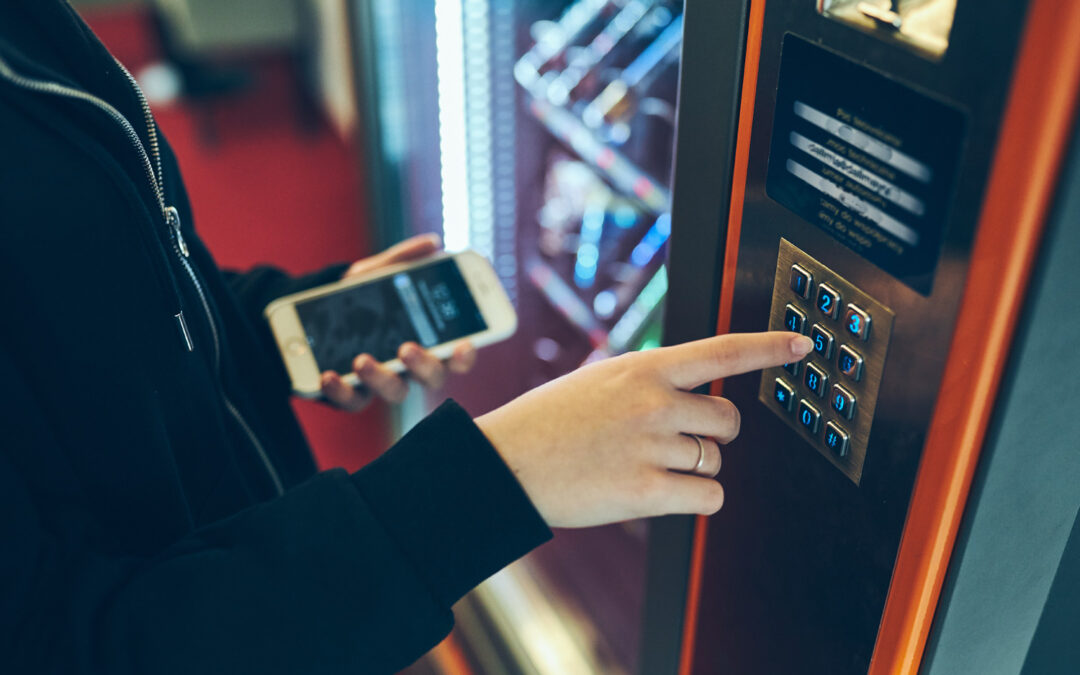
[(857, 322), (828, 301), (809, 417)]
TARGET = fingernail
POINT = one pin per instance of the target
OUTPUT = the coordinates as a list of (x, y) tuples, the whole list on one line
[(801, 345)]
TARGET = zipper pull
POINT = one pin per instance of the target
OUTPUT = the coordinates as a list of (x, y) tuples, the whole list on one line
[(172, 217), (184, 332)]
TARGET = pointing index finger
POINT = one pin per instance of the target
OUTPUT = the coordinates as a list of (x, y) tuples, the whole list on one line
[(694, 363)]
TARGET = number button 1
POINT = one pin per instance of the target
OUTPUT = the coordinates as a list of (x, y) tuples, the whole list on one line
[(801, 280), (828, 301)]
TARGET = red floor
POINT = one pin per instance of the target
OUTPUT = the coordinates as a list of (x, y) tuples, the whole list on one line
[(268, 192)]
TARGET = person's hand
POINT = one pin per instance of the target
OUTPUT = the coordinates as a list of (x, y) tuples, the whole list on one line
[(610, 441), (378, 380)]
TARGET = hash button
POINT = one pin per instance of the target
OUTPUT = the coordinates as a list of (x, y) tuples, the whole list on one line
[(836, 439)]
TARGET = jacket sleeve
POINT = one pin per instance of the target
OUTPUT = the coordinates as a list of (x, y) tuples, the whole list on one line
[(259, 286), (342, 574)]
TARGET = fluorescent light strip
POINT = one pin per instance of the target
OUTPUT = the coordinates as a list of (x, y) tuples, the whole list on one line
[(453, 148), (478, 121)]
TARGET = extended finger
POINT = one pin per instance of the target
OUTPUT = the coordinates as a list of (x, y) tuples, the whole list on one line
[(463, 359), (338, 392), (695, 454), (695, 363), (424, 368), (412, 248), (383, 382), (687, 493), (708, 416)]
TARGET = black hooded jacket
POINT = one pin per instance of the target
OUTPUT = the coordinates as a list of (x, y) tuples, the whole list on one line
[(159, 508)]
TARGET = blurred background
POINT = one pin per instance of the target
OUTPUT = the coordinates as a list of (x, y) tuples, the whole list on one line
[(537, 133)]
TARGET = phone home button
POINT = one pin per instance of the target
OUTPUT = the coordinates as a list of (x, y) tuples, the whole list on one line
[(297, 346)]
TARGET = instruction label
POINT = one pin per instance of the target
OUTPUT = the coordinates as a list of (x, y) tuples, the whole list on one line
[(868, 160)]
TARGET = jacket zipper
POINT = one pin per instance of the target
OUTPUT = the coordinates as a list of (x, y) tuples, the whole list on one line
[(169, 213)]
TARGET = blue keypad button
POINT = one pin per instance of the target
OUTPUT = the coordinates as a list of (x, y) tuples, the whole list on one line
[(823, 341), (794, 320), (842, 401), (851, 363), (857, 323), (784, 395), (793, 367), (809, 417), (828, 301), (801, 281), (815, 379), (836, 439)]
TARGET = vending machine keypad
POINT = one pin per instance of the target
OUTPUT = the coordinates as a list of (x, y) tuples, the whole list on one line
[(834, 399)]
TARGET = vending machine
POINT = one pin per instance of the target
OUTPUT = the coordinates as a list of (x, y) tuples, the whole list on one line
[(900, 181)]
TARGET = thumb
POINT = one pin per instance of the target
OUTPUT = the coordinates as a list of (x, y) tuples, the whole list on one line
[(412, 248)]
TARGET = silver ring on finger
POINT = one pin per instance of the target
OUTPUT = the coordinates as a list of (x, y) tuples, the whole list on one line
[(701, 454)]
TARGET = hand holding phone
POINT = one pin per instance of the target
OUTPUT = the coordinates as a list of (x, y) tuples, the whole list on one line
[(441, 304)]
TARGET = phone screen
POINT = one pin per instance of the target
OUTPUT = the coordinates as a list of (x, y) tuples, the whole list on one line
[(429, 305)]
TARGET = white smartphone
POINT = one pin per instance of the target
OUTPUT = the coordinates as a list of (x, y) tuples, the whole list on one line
[(436, 302)]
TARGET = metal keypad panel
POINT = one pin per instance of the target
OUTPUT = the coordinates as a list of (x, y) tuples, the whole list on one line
[(851, 332)]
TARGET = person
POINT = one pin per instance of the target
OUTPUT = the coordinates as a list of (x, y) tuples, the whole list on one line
[(161, 512)]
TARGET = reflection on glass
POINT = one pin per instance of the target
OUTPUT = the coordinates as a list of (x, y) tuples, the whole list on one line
[(924, 24)]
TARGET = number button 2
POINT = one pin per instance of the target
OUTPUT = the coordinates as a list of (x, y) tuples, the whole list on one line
[(828, 301)]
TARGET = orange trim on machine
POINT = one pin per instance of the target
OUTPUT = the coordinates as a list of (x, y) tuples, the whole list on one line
[(1035, 133), (755, 25), (449, 658)]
